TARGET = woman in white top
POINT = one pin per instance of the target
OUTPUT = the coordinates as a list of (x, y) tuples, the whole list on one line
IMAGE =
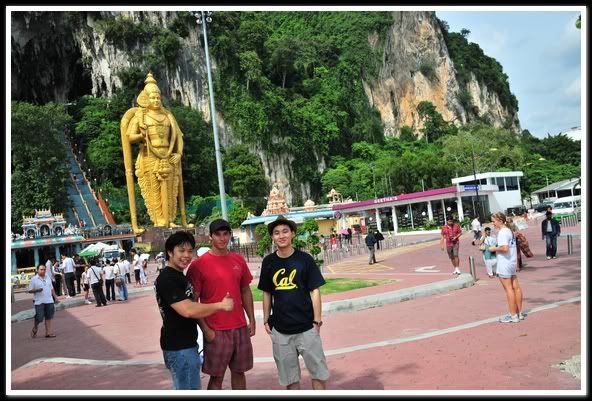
[(506, 268), (85, 284)]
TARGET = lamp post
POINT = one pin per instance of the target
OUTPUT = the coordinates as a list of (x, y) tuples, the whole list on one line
[(202, 18), (475, 179)]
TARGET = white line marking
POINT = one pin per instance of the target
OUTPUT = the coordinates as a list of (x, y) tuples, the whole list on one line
[(426, 269)]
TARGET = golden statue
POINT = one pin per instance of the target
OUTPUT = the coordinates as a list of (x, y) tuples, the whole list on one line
[(158, 166)]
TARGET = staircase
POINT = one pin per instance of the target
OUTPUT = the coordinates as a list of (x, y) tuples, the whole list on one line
[(85, 205)]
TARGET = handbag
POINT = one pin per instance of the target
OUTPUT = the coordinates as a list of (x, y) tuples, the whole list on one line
[(523, 245)]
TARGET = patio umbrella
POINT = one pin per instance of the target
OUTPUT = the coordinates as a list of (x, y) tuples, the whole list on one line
[(201, 251)]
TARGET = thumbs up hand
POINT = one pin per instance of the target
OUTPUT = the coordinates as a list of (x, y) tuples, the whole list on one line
[(227, 304)]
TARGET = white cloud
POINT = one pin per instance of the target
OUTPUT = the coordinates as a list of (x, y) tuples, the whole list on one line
[(574, 89), (571, 36), (492, 40)]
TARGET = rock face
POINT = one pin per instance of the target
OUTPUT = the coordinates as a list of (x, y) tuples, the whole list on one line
[(58, 56), (417, 67)]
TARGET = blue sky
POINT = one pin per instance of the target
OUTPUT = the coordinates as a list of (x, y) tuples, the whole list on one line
[(540, 51)]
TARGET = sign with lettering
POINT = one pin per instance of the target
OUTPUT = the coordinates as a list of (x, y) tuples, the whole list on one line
[(471, 187)]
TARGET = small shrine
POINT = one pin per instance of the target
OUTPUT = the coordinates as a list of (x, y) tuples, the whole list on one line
[(276, 203), (309, 206), (334, 196), (43, 224)]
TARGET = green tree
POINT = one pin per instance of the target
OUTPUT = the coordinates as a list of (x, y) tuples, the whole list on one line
[(38, 173), (250, 65), (245, 178)]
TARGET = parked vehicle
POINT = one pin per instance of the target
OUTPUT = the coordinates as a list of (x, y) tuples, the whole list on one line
[(541, 207), (516, 210), (568, 205), (113, 251)]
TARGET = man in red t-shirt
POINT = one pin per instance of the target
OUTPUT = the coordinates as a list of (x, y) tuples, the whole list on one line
[(451, 232), (227, 335)]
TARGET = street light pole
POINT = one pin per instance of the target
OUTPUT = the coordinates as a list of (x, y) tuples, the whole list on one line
[(202, 18), (475, 178)]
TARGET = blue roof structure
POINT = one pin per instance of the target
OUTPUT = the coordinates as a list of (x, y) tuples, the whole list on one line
[(296, 217)]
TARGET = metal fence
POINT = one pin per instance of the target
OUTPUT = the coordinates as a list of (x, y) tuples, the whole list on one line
[(569, 220), (356, 248)]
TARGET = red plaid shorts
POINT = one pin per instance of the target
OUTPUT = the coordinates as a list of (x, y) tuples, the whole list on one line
[(230, 348)]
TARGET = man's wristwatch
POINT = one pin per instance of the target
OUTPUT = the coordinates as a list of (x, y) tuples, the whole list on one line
[(319, 323)]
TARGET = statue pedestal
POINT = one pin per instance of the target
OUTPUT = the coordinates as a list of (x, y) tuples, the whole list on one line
[(157, 236)]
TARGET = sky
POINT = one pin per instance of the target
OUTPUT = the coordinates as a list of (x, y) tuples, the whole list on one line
[(540, 51)]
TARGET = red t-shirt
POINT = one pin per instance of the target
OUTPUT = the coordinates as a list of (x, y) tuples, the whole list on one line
[(212, 277), (449, 232)]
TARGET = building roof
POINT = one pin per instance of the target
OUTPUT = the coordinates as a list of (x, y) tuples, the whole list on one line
[(397, 198), (559, 185), (296, 217), (479, 176), (38, 242)]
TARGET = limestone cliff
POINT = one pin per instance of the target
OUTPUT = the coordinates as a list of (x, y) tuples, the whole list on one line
[(417, 67)]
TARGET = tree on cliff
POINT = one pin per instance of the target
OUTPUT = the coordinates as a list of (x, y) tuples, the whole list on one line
[(37, 165)]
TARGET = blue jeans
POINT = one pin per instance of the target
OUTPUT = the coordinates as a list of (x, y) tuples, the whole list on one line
[(551, 245), (122, 289), (184, 365)]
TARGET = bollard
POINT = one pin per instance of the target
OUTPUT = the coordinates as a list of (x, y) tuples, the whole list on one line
[(569, 244), (472, 267)]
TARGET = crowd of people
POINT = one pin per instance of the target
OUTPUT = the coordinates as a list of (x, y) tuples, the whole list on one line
[(74, 275), (502, 252)]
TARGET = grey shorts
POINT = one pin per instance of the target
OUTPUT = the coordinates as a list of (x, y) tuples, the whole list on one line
[(287, 347), (44, 311), (506, 275), (453, 251)]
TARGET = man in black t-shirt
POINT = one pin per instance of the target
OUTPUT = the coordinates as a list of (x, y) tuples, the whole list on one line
[(174, 295), (290, 281)]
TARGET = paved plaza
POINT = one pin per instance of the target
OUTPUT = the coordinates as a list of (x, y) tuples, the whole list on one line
[(427, 330)]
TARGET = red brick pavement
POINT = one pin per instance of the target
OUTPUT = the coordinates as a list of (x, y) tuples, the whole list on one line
[(488, 356)]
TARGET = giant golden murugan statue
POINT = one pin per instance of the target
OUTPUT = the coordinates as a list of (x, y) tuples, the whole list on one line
[(158, 165)]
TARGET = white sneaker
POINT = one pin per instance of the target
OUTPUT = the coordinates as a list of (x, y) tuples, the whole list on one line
[(548, 257), (68, 296), (457, 271), (87, 302)]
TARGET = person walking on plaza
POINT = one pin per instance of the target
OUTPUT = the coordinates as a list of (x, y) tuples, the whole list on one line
[(476, 227), (109, 280), (178, 310), (85, 285), (49, 271), (127, 268), (370, 243), (58, 277), (144, 272), (292, 308), (137, 266), (506, 252), (95, 277), (119, 273), (550, 230), (227, 336), (78, 269), (69, 275), (450, 233), (44, 298), (489, 258)]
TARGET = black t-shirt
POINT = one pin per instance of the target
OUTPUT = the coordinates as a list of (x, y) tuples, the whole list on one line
[(290, 281), (177, 332)]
